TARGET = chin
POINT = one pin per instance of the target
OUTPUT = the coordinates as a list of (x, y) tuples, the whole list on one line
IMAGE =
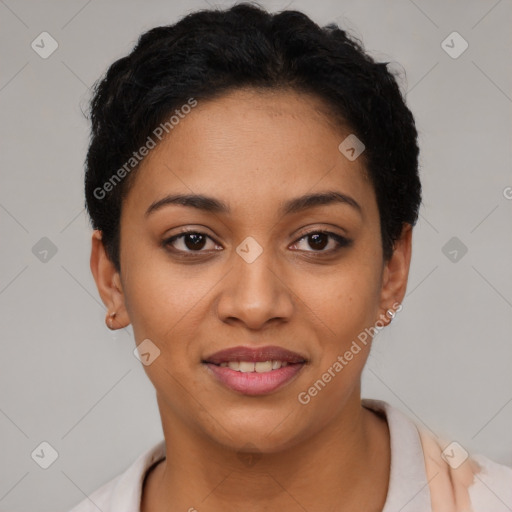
[(250, 429)]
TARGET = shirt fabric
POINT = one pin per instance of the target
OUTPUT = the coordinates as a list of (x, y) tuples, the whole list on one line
[(420, 480)]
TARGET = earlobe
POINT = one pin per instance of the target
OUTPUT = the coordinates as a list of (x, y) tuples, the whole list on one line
[(396, 273), (108, 282)]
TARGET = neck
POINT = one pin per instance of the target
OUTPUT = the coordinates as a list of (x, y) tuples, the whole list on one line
[(346, 462)]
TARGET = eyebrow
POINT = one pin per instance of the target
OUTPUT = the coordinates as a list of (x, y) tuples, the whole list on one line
[(212, 205)]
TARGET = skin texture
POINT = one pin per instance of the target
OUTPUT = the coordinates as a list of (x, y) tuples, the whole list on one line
[(254, 150)]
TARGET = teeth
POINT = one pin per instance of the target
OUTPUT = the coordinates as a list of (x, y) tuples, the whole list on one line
[(249, 366), (246, 366), (263, 366)]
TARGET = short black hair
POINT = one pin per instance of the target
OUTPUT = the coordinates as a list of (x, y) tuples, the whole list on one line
[(211, 52)]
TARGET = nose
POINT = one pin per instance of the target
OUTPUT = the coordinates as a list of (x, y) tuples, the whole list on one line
[(255, 294)]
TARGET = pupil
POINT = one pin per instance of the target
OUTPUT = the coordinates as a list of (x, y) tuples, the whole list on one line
[(197, 241), (316, 238)]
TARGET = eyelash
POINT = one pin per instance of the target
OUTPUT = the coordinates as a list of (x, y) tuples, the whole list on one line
[(340, 240)]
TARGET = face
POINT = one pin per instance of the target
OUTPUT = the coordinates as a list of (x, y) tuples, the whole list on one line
[(282, 279)]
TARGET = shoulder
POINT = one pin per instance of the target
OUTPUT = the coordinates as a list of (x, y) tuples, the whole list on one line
[(467, 482), (452, 479), (492, 486), (124, 491), (100, 499)]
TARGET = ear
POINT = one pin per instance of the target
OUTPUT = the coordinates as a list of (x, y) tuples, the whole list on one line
[(396, 273), (108, 282)]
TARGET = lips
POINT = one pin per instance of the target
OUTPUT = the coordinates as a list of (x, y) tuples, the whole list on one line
[(254, 371), (254, 355)]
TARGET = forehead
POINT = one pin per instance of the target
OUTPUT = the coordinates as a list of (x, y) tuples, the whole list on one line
[(253, 146)]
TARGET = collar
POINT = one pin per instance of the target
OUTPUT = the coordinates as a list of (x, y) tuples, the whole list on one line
[(408, 489)]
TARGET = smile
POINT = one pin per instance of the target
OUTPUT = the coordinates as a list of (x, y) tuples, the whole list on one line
[(254, 371), (248, 366)]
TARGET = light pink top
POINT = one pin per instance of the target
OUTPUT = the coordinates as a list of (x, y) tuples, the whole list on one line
[(421, 480)]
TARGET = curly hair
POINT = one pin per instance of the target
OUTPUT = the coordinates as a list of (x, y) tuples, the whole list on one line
[(210, 52)]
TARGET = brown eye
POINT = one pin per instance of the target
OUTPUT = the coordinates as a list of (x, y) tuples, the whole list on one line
[(190, 241), (194, 241), (319, 240)]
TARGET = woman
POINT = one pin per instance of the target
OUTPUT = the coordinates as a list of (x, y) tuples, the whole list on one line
[(252, 181)]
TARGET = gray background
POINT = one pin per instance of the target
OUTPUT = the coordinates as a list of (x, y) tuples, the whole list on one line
[(66, 379)]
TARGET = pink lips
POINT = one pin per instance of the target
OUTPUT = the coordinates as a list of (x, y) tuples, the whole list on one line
[(253, 383)]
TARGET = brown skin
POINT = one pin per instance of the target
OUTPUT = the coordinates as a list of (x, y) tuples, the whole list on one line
[(254, 150)]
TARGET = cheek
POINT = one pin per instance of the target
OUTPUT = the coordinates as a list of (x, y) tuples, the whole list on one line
[(343, 307), (346, 301), (162, 298), (167, 306)]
